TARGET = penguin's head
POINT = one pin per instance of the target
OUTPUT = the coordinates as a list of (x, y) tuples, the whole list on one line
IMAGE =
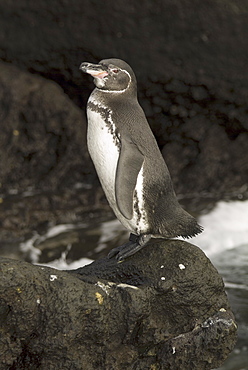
[(111, 75)]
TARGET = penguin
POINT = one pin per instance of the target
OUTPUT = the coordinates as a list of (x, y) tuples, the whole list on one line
[(129, 164)]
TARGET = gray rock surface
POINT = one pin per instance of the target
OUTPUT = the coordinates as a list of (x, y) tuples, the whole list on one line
[(163, 308)]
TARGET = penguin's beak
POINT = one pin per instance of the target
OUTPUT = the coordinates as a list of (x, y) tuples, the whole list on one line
[(95, 70)]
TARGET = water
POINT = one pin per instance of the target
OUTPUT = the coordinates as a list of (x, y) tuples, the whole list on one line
[(224, 240)]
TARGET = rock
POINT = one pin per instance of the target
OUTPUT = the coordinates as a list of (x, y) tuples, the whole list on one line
[(42, 134), (216, 157), (163, 308)]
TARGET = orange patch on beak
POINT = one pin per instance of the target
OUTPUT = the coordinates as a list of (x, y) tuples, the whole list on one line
[(99, 74)]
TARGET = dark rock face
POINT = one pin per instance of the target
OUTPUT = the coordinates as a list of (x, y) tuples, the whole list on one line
[(190, 59), (163, 308), (42, 133)]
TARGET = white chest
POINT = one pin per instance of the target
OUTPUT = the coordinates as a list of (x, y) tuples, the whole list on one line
[(104, 148)]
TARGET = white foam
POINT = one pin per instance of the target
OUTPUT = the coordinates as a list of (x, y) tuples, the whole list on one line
[(62, 264), (225, 227), (60, 229), (29, 247)]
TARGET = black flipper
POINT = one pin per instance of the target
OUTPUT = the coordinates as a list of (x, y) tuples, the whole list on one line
[(135, 243), (128, 167)]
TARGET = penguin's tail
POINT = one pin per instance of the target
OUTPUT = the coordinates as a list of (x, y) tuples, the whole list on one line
[(187, 225), (191, 230), (181, 225)]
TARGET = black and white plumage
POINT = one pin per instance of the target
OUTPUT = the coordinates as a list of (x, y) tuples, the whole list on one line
[(129, 164)]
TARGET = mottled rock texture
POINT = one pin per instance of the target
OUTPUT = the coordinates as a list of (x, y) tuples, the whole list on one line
[(163, 308)]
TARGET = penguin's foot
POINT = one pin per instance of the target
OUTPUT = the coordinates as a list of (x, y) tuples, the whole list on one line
[(135, 243)]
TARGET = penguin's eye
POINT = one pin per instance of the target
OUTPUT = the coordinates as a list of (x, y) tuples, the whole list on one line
[(115, 70)]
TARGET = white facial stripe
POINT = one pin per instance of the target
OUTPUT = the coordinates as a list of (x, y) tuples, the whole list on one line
[(118, 91)]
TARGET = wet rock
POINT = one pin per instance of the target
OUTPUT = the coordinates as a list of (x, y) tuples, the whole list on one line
[(163, 308)]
